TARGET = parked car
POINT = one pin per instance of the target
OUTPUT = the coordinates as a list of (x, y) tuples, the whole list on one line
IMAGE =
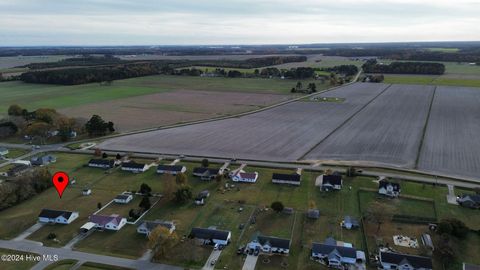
[(257, 251), (240, 250), (250, 252), (212, 262)]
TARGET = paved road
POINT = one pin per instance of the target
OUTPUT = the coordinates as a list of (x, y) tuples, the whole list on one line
[(250, 262), (213, 256), (82, 256)]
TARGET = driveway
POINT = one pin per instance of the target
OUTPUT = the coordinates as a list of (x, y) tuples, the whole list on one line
[(28, 232), (213, 256), (250, 262)]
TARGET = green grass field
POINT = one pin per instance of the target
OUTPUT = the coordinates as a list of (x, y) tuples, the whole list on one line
[(61, 265), (34, 96), (430, 79)]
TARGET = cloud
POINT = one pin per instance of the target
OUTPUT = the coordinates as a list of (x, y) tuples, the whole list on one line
[(120, 22)]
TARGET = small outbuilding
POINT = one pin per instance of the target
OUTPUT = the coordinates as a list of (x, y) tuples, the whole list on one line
[(313, 213), (350, 223)]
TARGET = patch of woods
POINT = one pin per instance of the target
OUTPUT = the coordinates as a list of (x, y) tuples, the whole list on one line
[(372, 66), (21, 188), (107, 69), (45, 123), (144, 205), (470, 55)]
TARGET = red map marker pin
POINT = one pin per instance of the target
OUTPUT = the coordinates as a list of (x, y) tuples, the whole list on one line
[(60, 181)]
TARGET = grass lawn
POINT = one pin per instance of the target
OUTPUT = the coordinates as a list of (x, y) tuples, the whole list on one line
[(21, 264), (15, 153), (33, 96), (61, 265), (99, 266)]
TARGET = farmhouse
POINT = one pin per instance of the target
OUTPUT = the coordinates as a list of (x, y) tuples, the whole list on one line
[(289, 179), (336, 256), (57, 216), (112, 222), (211, 236), (146, 227), (101, 163), (43, 160), (350, 223), (171, 169), (388, 188), (469, 200), (134, 167), (331, 182), (3, 151), (245, 177), (390, 260), (205, 173), (270, 245), (123, 198), (313, 213)]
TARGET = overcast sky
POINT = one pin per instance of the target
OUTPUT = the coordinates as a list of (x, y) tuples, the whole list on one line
[(172, 22)]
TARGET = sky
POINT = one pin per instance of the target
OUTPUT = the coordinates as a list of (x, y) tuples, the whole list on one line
[(218, 22)]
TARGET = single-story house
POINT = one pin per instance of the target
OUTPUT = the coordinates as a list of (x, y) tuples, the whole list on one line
[(289, 179), (3, 151), (123, 198), (245, 177), (469, 200), (389, 189), (206, 173), (86, 192), (43, 160), (57, 216), (350, 223), (390, 260), (112, 222), (101, 163), (146, 227), (313, 213), (331, 182), (270, 245), (171, 169), (336, 256), (211, 236), (134, 167)]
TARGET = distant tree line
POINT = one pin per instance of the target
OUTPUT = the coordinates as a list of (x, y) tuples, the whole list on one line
[(347, 70), (371, 66), (24, 187), (85, 60)]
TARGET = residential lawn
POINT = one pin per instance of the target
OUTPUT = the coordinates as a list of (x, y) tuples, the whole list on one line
[(22, 264), (61, 265), (15, 153), (99, 266)]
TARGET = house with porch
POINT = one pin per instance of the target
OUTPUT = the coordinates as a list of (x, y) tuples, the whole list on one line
[(391, 260), (270, 245), (57, 216)]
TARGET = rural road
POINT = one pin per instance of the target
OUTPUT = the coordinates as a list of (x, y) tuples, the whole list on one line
[(82, 256)]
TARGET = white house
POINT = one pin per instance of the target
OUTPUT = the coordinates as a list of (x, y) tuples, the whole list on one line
[(245, 177), (134, 167), (211, 236), (101, 163), (289, 179), (171, 169), (112, 222), (270, 245), (57, 216), (388, 188), (123, 198), (390, 260), (337, 256), (146, 227)]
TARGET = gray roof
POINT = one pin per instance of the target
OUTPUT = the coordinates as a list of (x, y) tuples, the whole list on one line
[(398, 258), (203, 233), (351, 220), (325, 249), (274, 241), (313, 213), (49, 213), (122, 197)]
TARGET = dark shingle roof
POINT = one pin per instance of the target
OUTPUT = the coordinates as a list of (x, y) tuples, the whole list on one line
[(202, 170), (171, 168), (475, 198), (204, 233), (332, 179), (49, 213), (327, 249), (286, 177), (108, 162), (274, 241), (398, 258), (384, 184), (122, 197)]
